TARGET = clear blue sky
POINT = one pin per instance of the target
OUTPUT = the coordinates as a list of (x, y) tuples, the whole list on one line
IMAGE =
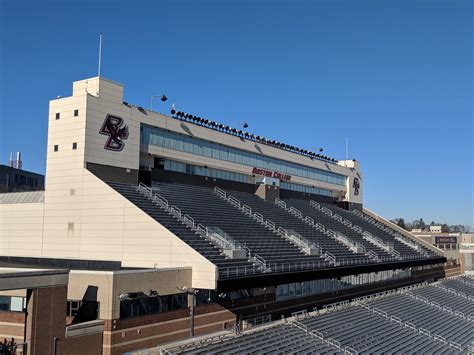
[(393, 76)]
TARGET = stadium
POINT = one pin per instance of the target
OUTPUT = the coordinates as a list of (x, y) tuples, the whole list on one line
[(178, 234)]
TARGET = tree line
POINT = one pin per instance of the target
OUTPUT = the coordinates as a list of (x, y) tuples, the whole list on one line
[(420, 224)]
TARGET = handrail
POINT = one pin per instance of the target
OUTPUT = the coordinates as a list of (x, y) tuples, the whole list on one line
[(310, 221), (224, 239), (280, 202), (306, 246), (234, 201), (373, 255), (350, 244), (188, 220), (258, 216), (388, 247), (296, 212), (330, 257), (261, 262), (327, 211), (176, 211), (270, 224), (320, 227), (214, 235), (409, 244), (220, 192), (247, 209), (391, 232)]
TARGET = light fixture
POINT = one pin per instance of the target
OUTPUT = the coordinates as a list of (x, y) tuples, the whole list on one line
[(163, 98)]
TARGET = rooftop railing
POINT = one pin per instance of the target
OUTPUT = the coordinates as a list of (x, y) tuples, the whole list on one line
[(183, 116)]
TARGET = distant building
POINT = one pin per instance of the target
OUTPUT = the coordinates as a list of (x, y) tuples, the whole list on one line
[(456, 246), (13, 180)]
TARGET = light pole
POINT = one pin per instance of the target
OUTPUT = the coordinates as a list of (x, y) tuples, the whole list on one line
[(191, 291), (162, 98)]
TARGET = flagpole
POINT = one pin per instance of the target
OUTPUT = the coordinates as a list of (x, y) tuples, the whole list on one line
[(100, 53)]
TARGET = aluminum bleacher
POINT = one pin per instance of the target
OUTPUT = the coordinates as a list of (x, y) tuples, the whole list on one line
[(356, 229), (290, 222), (394, 322), (206, 208), (198, 242), (382, 231), (265, 236)]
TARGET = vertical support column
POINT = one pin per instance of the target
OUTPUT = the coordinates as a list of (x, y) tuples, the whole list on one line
[(268, 192), (46, 316)]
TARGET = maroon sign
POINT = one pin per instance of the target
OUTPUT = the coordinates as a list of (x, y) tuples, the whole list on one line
[(445, 240), (272, 174)]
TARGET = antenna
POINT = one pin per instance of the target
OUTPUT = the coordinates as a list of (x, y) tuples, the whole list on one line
[(347, 148), (100, 52)]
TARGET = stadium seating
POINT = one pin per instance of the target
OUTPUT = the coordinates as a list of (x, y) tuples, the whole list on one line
[(370, 333), (287, 221), (423, 316), (448, 298), (395, 322), (266, 250), (463, 285), (373, 229), (285, 339), (208, 209), (305, 207), (203, 246)]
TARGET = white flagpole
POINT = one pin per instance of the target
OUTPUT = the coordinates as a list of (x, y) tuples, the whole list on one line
[(100, 53)]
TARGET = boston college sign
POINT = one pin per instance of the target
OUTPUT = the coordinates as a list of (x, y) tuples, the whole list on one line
[(272, 174)]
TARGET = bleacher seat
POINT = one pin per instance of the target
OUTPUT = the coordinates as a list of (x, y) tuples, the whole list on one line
[(391, 323), (208, 209), (203, 246)]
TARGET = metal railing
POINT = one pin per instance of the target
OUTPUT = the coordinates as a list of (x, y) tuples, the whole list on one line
[(350, 244), (223, 239), (309, 248), (214, 235), (399, 237), (355, 247), (409, 244), (388, 247)]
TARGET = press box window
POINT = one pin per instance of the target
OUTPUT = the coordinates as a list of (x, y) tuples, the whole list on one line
[(76, 113), (74, 146), (58, 115), (56, 147)]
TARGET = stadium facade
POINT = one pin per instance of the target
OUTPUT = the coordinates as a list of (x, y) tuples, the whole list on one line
[(153, 214)]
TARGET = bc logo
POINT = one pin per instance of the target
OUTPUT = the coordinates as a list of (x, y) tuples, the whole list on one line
[(118, 132), (356, 186)]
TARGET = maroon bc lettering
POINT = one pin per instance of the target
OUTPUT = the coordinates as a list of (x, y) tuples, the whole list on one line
[(274, 174)]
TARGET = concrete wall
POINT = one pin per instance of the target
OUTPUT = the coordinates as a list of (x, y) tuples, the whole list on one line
[(97, 223), (110, 284), (21, 229)]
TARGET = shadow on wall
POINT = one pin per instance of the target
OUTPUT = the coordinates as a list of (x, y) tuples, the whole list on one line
[(89, 309)]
